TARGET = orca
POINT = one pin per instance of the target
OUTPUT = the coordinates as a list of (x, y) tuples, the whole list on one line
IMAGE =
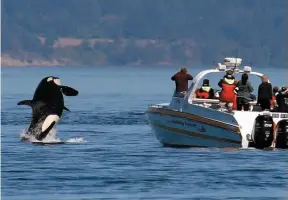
[(47, 106)]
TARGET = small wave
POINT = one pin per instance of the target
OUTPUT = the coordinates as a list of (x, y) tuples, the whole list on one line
[(76, 140), (247, 148)]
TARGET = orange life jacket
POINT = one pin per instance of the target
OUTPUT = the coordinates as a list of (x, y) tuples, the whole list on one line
[(227, 94), (272, 104), (202, 94)]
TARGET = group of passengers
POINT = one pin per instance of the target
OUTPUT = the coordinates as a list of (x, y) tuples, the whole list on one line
[(236, 94)]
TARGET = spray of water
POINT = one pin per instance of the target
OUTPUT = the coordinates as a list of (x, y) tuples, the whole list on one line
[(50, 138)]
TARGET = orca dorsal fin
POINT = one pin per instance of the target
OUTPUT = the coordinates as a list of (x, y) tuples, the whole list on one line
[(25, 102), (67, 109)]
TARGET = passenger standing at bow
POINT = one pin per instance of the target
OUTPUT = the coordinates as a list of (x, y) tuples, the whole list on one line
[(244, 93), (228, 85), (181, 79), (264, 93)]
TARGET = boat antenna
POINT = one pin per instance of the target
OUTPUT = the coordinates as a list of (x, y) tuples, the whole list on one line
[(236, 59)]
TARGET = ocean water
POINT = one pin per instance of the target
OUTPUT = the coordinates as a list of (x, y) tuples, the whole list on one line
[(112, 153)]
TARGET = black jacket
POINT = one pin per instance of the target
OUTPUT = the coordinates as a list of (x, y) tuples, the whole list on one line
[(282, 102), (265, 91)]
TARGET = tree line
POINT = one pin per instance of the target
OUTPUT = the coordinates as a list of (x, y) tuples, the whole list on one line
[(194, 31)]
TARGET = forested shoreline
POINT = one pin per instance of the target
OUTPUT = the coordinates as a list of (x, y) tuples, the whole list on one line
[(143, 32)]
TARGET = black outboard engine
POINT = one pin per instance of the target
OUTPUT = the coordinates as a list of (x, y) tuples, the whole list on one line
[(263, 132), (282, 134)]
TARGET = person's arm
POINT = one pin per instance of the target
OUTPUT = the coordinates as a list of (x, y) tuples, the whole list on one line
[(211, 93), (250, 87), (270, 91), (189, 77), (258, 94), (220, 83), (278, 99), (286, 91)]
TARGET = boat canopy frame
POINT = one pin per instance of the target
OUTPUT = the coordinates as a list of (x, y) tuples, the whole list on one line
[(195, 83)]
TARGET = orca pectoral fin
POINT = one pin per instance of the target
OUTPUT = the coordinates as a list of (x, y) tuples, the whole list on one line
[(68, 91), (25, 102), (67, 109), (43, 134)]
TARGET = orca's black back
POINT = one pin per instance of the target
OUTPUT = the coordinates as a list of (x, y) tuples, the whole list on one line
[(50, 94)]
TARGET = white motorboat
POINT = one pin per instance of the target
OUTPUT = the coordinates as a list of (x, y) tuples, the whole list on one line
[(194, 122)]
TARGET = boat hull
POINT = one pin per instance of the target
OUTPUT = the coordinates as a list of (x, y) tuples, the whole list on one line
[(183, 131)]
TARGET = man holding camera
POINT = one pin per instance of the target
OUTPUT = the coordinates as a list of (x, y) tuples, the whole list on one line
[(282, 100)]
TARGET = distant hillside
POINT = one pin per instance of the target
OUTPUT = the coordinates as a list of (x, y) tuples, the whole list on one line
[(96, 32)]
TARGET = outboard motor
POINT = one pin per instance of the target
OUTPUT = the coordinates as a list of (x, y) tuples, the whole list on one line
[(282, 134), (263, 132)]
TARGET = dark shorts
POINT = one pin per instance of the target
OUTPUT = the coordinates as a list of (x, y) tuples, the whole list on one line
[(242, 103), (242, 100)]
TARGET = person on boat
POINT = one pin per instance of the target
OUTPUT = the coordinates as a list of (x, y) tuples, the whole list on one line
[(273, 103), (244, 89), (181, 79), (264, 93), (205, 92), (227, 79), (282, 100), (228, 93)]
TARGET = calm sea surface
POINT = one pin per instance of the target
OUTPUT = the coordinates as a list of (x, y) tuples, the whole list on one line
[(112, 153)]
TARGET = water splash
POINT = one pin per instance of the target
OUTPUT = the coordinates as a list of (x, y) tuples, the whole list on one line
[(24, 136), (50, 138)]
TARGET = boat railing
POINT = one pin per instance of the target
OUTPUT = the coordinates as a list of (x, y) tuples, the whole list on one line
[(213, 101)]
